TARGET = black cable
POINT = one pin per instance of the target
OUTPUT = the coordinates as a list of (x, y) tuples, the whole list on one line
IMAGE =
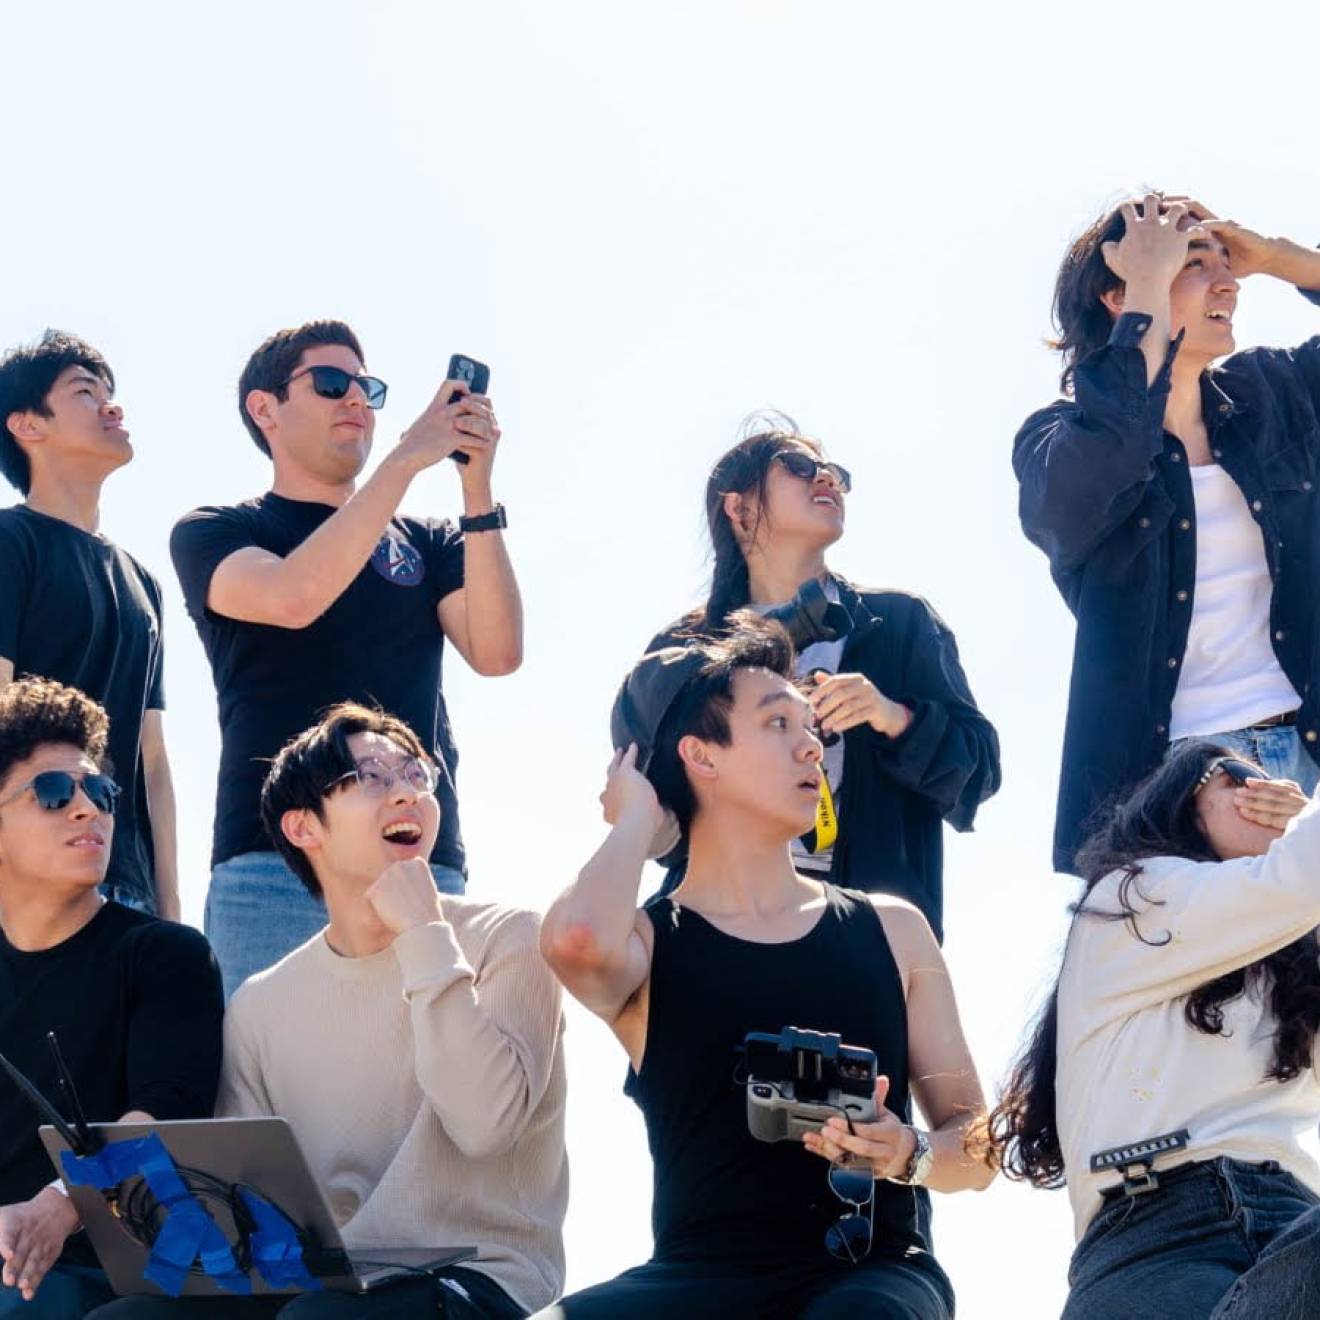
[(141, 1214)]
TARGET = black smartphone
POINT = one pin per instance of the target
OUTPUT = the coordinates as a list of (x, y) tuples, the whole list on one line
[(475, 375)]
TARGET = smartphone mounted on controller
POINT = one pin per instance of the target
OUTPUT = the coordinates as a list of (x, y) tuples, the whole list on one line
[(476, 376)]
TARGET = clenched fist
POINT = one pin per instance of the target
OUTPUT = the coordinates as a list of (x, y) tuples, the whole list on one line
[(405, 896)]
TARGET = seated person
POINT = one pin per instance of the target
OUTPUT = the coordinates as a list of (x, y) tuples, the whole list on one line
[(413, 1044), (1179, 1046), (134, 1002), (742, 1227)]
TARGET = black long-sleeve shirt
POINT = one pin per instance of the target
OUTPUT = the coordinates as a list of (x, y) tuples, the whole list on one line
[(136, 1005), (1106, 494), (896, 792)]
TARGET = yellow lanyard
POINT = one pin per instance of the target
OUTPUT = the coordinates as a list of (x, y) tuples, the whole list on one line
[(827, 819)]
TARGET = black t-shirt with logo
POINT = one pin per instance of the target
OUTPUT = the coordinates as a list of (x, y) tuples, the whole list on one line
[(379, 643), (76, 608)]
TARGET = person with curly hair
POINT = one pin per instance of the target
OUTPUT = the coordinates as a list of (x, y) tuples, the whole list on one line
[(134, 1001)]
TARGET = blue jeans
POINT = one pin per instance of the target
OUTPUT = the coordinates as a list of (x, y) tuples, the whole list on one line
[(1278, 750), (257, 910), (67, 1292), (1218, 1239)]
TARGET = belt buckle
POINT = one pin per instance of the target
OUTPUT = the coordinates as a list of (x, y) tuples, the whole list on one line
[(1135, 1161), (1144, 1180)]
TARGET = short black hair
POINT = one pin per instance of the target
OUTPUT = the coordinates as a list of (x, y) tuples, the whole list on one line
[(702, 707), (270, 367), (307, 767), (35, 712), (27, 374)]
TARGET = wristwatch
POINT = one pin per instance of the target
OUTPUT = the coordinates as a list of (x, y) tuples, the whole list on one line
[(920, 1165), (494, 521)]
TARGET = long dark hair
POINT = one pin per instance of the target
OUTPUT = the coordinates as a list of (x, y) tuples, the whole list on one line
[(1157, 819), (743, 469), (1082, 322)]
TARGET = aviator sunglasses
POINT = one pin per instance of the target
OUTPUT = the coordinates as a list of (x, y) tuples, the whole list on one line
[(334, 382), (1238, 770), (850, 1237), (54, 790), (804, 466), (376, 779)]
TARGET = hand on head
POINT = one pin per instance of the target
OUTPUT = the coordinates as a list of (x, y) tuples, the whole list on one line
[(1154, 242), (628, 791)]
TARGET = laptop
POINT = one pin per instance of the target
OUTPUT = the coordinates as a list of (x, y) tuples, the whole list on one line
[(264, 1155)]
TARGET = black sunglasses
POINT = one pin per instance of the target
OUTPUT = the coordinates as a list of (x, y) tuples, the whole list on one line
[(54, 790), (334, 383), (804, 466), (1238, 770), (850, 1238)]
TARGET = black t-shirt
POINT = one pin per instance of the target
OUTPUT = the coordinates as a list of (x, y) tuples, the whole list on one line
[(137, 1007), (380, 643), (77, 608)]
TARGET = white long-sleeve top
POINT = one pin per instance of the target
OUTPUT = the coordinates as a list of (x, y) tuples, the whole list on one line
[(425, 1085), (1130, 1067)]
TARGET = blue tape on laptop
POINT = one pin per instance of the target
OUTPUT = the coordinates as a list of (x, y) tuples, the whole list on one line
[(217, 1206)]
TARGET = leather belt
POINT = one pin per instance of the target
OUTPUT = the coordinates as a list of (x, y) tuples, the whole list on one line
[(1274, 721)]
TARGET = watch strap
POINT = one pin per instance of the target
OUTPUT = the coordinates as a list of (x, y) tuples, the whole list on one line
[(494, 521), (918, 1167)]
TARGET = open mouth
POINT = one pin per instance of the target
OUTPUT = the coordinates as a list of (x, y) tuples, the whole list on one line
[(810, 785), (404, 832), (1220, 315), (825, 499)]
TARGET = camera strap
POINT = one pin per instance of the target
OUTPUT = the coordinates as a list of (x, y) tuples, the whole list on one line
[(1136, 1161)]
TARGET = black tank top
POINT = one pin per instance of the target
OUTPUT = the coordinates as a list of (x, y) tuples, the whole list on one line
[(718, 1191)]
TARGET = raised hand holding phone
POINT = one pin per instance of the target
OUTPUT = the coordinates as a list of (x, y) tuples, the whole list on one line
[(473, 374), (457, 423)]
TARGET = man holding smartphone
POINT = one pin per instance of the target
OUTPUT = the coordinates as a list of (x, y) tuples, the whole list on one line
[(319, 592)]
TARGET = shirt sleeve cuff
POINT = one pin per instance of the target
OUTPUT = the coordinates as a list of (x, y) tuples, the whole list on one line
[(430, 959), (1128, 330)]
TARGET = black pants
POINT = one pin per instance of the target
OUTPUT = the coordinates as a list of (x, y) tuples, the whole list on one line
[(410, 1299), (910, 1289)]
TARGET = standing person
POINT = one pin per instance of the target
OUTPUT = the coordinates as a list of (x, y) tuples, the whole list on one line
[(1172, 1074), (1175, 500), (319, 592), (73, 605), (905, 746), (829, 1227), (134, 1002)]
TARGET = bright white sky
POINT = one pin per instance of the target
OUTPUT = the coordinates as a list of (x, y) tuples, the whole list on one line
[(649, 221)]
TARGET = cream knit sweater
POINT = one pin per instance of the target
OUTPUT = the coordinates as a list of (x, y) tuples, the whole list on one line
[(425, 1085)]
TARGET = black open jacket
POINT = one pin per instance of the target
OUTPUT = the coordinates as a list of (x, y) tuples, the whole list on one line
[(897, 791)]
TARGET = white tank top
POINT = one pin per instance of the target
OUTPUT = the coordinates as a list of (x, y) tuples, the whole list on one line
[(1230, 676)]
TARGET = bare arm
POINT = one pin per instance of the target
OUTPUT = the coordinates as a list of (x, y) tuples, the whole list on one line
[(483, 618), (160, 808), (255, 586), (944, 1079), (594, 938)]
